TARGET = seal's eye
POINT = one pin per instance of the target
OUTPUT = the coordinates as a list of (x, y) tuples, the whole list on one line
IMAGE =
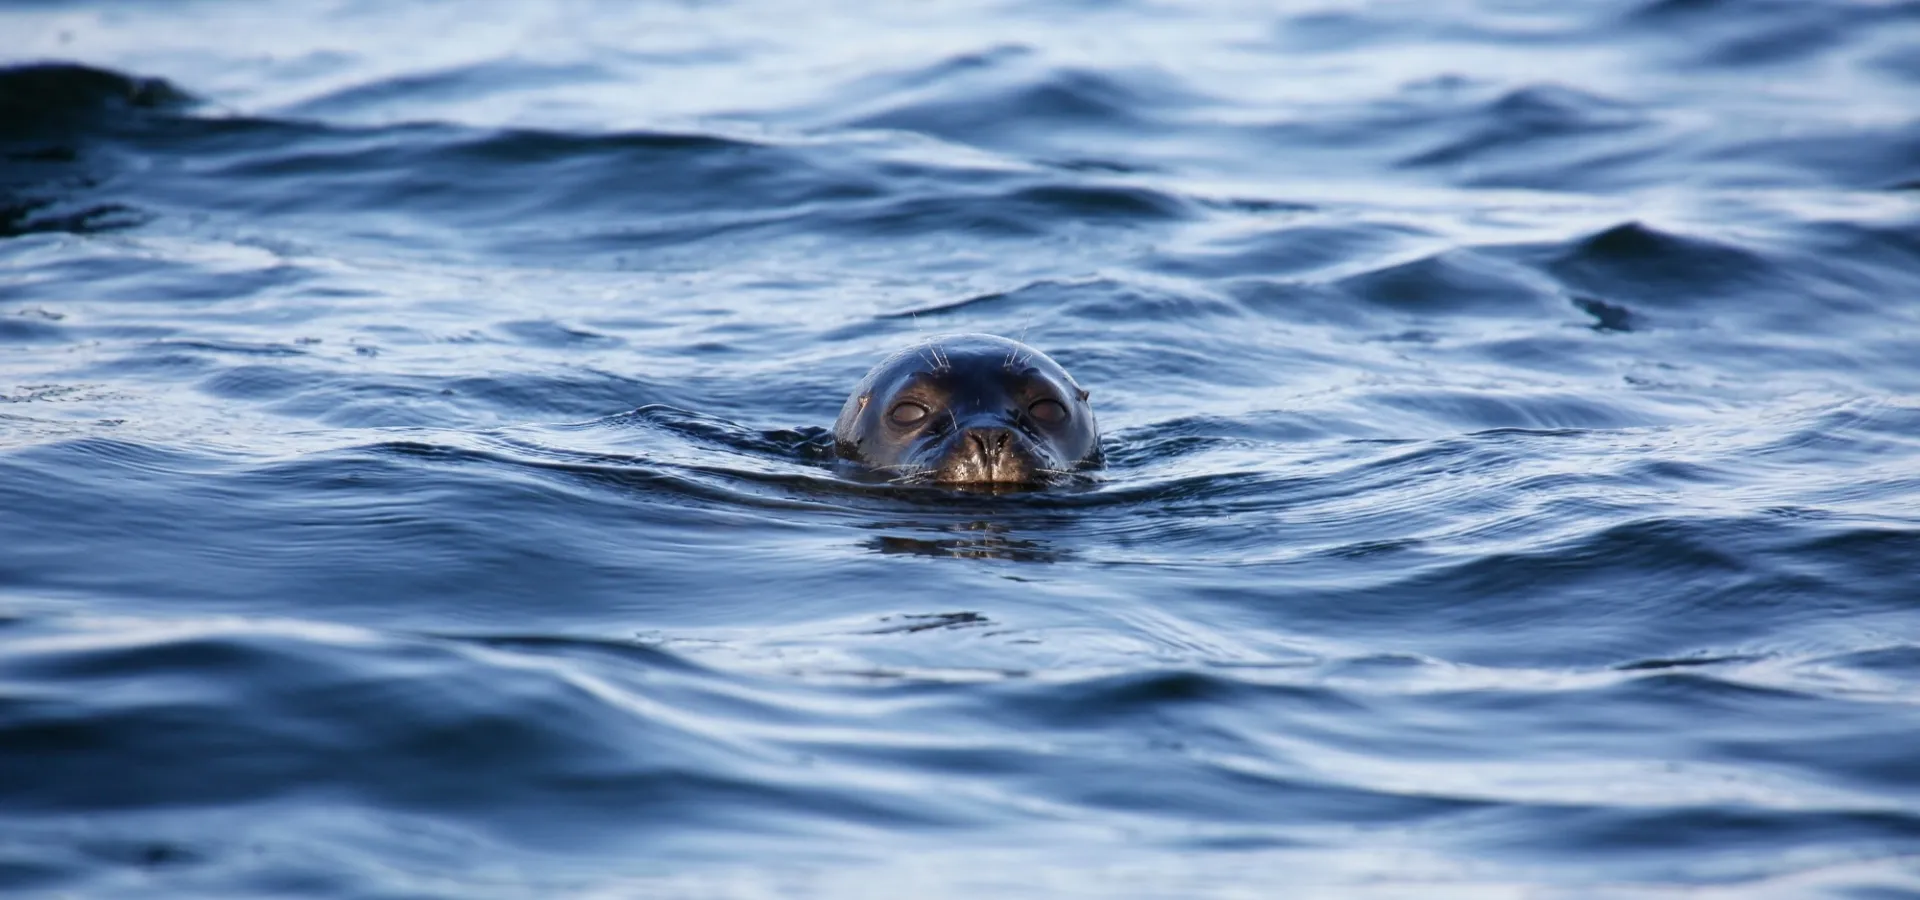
[(906, 412), (1048, 412)]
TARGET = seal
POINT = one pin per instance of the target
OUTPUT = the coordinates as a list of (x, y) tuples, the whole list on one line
[(969, 409)]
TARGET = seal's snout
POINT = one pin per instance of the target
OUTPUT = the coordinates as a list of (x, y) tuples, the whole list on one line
[(987, 455)]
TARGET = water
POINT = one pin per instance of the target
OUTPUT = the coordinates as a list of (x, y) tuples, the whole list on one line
[(410, 480)]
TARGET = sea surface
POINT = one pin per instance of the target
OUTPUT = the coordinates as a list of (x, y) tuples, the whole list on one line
[(412, 481)]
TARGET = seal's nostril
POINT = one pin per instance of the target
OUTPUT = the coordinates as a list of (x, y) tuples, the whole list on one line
[(989, 443)]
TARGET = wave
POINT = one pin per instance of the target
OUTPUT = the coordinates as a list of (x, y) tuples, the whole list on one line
[(38, 96), (413, 455)]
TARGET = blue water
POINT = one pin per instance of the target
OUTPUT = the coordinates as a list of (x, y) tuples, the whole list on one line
[(412, 485)]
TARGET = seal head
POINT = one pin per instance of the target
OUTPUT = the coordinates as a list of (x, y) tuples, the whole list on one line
[(969, 409)]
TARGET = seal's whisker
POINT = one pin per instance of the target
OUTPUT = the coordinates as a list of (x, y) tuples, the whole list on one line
[(903, 470)]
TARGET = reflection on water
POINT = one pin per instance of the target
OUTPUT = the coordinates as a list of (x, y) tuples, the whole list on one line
[(928, 621), (964, 540)]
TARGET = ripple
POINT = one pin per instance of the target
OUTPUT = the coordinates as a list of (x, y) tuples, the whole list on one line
[(458, 83), (1016, 103), (1453, 282), (38, 95), (1521, 119), (1658, 268), (395, 724)]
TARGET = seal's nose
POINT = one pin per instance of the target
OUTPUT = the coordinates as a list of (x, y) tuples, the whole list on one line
[(985, 454), (990, 445)]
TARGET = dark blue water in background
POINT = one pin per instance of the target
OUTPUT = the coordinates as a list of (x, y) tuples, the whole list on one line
[(408, 484)]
